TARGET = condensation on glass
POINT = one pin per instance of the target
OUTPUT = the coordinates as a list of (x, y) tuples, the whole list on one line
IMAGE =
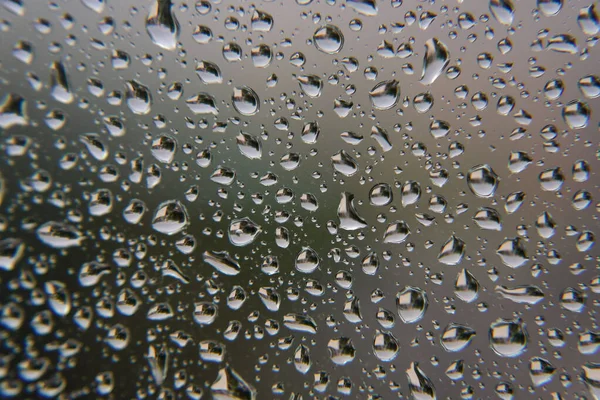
[(294, 199)]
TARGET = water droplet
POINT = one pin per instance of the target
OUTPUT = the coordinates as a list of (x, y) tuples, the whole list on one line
[(222, 262), (551, 179), (576, 114), (328, 39), (385, 346), (482, 181), (230, 385), (245, 100), (503, 11), (435, 60), (138, 97), (385, 94), (512, 252), (170, 217), (466, 286), (162, 25), (343, 163), (208, 72), (508, 338), (261, 21), (452, 252), (419, 384), (347, 214), (364, 7), (302, 361), (300, 323), (59, 235), (341, 350), (411, 303), (307, 260), (456, 337), (573, 300), (541, 371), (523, 294), (380, 194), (311, 85), (243, 232), (396, 232), (488, 218), (59, 83)]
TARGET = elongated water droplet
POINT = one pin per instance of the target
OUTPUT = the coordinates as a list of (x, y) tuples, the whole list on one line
[(230, 385), (222, 262), (435, 60), (523, 294), (162, 25), (138, 97), (503, 11), (300, 323), (456, 337), (59, 235), (466, 286), (419, 384), (347, 214), (59, 83)]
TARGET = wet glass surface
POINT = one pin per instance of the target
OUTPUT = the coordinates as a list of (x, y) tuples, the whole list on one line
[(299, 199)]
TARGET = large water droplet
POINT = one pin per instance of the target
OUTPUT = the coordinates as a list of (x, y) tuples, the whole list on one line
[(343, 163), (245, 100), (508, 338), (138, 97), (452, 252), (456, 337), (420, 386), (411, 303), (576, 114), (503, 11), (385, 94), (385, 346), (482, 181), (170, 217), (347, 214), (307, 260), (162, 25), (328, 39), (59, 235), (243, 232), (435, 60), (229, 385), (222, 262)]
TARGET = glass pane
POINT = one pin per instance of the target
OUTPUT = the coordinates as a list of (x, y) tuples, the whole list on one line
[(298, 199)]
